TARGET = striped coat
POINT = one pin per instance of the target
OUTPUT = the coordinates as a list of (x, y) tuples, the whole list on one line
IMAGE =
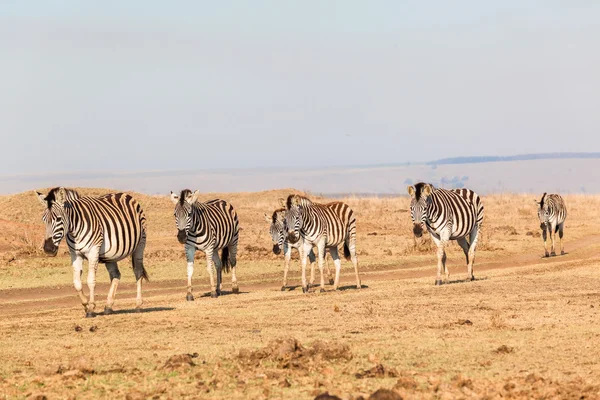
[(552, 213)]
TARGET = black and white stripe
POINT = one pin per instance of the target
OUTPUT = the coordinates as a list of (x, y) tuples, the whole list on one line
[(552, 214), (208, 227), (279, 237), (325, 226), (455, 214), (102, 229)]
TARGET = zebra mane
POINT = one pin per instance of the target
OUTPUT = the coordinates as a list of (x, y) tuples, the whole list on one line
[(183, 195), (419, 189), (542, 200), (274, 217), (51, 196), (295, 199)]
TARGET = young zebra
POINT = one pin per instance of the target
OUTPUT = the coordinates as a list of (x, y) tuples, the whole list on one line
[(208, 227), (102, 229), (324, 226), (278, 234), (455, 214), (552, 213)]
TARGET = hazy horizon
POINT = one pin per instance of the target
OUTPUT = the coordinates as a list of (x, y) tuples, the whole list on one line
[(139, 86)]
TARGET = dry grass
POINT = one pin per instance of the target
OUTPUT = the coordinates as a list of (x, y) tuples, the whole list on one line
[(520, 332)]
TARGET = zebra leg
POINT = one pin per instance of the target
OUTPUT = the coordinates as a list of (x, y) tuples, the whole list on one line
[(333, 251), (115, 276), (287, 255), (77, 262), (560, 236), (545, 237), (232, 262), (472, 247), (219, 269), (551, 232), (328, 271), (91, 280), (441, 255), (321, 258), (139, 271), (354, 258), (306, 247), (210, 267), (189, 255), (313, 260)]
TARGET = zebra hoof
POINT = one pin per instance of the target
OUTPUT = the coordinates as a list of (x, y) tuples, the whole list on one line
[(472, 278), (562, 253), (138, 309), (108, 311), (235, 289), (90, 315), (553, 254), (438, 282), (322, 290), (331, 282), (305, 289), (547, 255), (214, 294), (189, 297), (283, 288)]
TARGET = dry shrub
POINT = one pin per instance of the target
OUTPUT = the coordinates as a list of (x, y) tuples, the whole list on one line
[(507, 230), (378, 371)]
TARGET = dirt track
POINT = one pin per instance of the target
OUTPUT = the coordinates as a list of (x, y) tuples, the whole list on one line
[(18, 302)]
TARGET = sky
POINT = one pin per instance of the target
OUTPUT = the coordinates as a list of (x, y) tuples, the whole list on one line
[(153, 85)]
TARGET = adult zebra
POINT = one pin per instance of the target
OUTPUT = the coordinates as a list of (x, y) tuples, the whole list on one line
[(455, 214), (208, 227), (278, 236), (102, 229), (324, 226), (552, 213)]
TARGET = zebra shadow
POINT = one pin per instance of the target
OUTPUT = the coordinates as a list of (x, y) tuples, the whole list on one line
[(136, 311), (455, 281), (223, 293), (315, 288), (543, 257)]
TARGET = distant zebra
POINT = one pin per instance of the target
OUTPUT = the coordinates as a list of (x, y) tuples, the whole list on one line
[(455, 214), (552, 213), (102, 229), (278, 235), (207, 227), (324, 226)]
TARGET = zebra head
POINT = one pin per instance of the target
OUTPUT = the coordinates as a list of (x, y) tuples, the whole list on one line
[(54, 218), (543, 212), (183, 212), (293, 218), (419, 202), (277, 229)]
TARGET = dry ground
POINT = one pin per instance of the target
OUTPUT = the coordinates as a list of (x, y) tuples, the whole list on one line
[(528, 327)]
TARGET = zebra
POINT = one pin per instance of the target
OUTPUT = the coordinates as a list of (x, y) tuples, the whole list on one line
[(552, 213), (455, 214), (208, 227), (102, 229), (278, 235), (324, 226)]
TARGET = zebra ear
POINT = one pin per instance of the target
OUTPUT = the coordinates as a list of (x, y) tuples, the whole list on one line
[(411, 191), (426, 190), (282, 202), (61, 196), (41, 198), (174, 198), (267, 218), (195, 196)]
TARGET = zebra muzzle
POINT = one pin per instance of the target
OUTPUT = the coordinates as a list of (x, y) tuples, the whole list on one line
[(292, 238), (276, 249), (418, 230), (181, 236), (50, 248)]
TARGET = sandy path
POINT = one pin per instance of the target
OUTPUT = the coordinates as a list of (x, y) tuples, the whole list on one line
[(18, 302)]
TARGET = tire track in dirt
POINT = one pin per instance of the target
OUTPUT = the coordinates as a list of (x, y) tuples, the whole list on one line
[(18, 302)]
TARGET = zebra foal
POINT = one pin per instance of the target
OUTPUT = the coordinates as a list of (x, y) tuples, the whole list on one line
[(208, 227), (455, 214), (102, 229), (552, 214), (325, 226), (278, 235)]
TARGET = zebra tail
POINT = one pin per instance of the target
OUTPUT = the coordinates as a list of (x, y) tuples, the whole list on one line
[(225, 259), (346, 251), (138, 264)]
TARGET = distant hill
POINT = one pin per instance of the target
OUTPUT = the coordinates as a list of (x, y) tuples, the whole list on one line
[(522, 157)]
